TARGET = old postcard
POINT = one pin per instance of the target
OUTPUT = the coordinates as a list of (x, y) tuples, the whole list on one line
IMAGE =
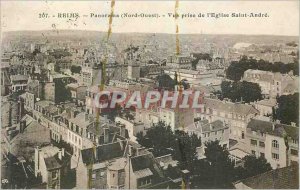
[(126, 94)]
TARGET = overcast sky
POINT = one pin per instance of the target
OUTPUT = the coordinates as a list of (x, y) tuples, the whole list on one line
[(283, 16)]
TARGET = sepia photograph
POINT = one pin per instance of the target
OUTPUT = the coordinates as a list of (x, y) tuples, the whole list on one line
[(127, 94)]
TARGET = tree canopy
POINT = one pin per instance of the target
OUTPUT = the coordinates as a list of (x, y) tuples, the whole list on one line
[(236, 69), (165, 81), (200, 56), (164, 141), (62, 94), (288, 109), (75, 69), (252, 166), (237, 91), (216, 170)]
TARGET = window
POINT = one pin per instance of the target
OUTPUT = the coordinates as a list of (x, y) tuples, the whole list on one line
[(275, 156), (253, 152), (243, 135), (94, 176), (145, 181), (261, 144), (262, 154), (54, 174), (275, 144), (294, 152), (216, 133), (253, 142), (102, 174)]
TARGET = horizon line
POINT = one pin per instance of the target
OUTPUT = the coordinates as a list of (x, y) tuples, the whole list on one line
[(282, 35)]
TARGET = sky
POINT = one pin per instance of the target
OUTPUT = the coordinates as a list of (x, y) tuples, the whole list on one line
[(283, 16)]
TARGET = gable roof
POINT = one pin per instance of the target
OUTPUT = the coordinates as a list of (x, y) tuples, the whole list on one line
[(230, 107), (283, 178), (103, 153), (214, 126), (267, 127)]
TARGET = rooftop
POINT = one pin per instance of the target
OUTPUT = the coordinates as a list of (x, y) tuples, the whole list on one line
[(283, 178), (230, 107), (280, 129)]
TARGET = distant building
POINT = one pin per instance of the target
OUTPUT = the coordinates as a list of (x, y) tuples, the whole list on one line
[(134, 70), (273, 84), (179, 61), (18, 82), (77, 93)]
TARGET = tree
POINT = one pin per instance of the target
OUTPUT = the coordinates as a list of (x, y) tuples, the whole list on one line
[(252, 166), (236, 69), (75, 69), (236, 91), (159, 137), (185, 84), (57, 68), (164, 141), (185, 149), (221, 167), (200, 56), (165, 81), (62, 94), (215, 171), (288, 109)]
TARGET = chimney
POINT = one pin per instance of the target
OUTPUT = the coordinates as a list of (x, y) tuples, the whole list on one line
[(210, 126), (86, 117), (273, 126), (130, 150), (60, 154), (63, 152), (293, 124), (106, 135), (122, 131), (22, 126), (139, 151), (74, 113), (36, 160)]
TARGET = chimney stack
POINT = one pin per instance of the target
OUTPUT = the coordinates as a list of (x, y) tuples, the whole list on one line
[(60, 154), (122, 131), (273, 126), (106, 135), (22, 126)]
